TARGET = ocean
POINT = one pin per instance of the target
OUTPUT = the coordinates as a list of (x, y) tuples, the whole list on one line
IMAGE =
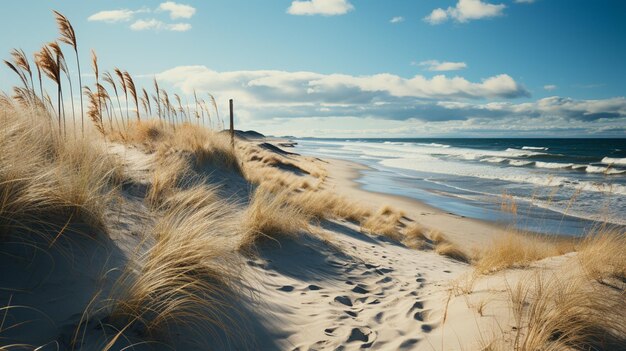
[(562, 186)]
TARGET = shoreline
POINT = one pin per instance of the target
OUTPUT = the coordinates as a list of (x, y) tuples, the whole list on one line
[(460, 229)]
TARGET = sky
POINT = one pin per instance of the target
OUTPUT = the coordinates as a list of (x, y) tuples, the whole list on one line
[(360, 68)]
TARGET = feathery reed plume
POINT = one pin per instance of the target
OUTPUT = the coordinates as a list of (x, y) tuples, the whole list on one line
[(158, 97), (17, 71), (147, 102), (180, 105), (94, 109), (166, 102), (120, 77), (109, 79), (217, 112), (144, 104), (195, 97), (21, 61), (50, 67), (130, 84), (63, 66), (94, 65), (68, 36), (103, 95), (39, 77), (23, 96)]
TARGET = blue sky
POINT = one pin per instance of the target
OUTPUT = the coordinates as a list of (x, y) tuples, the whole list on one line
[(359, 68)]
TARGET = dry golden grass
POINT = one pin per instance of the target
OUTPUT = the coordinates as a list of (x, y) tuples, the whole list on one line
[(601, 255), (386, 221), (206, 146), (449, 249), (170, 171), (516, 250), (187, 277), (445, 247), (566, 313), (415, 237), (271, 216), (44, 178)]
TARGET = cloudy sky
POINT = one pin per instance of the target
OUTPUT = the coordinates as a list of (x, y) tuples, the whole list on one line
[(363, 68)]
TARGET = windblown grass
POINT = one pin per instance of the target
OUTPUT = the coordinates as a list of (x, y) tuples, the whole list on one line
[(567, 313), (44, 178), (415, 237), (515, 250), (445, 247), (206, 147), (186, 279), (601, 255), (386, 222), (271, 216)]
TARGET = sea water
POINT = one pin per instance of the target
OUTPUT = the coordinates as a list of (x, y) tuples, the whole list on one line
[(564, 186)]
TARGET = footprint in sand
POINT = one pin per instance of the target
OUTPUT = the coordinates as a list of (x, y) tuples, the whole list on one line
[(344, 300), (364, 335), (427, 328), (360, 289), (408, 343), (286, 288)]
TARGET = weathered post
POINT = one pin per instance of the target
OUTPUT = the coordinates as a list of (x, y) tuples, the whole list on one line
[(232, 125)]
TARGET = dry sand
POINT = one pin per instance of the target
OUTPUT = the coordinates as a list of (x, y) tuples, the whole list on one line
[(339, 289), (364, 291)]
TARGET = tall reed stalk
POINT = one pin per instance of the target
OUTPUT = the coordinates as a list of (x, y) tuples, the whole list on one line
[(68, 36), (130, 84)]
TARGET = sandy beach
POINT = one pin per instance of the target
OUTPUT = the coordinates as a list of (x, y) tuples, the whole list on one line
[(157, 227), (459, 229)]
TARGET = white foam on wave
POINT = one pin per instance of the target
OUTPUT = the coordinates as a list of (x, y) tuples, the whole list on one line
[(494, 159), (434, 145), (614, 161), (534, 148), (520, 163), (605, 170), (515, 175), (553, 165), (521, 153)]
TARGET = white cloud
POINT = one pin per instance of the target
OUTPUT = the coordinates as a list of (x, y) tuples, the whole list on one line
[(434, 65), (154, 24), (177, 10), (112, 16), (320, 7), (437, 16), (550, 87), (277, 101), (397, 19), (315, 87), (464, 11), (179, 27), (525, 1)]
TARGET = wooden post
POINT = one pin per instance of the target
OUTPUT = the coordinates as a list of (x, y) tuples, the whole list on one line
[(232, 125)]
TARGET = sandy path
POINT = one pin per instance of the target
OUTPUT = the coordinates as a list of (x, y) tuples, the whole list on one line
[(361, 292)]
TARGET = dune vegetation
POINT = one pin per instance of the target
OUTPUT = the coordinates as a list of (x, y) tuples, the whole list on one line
[(142, 192)]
